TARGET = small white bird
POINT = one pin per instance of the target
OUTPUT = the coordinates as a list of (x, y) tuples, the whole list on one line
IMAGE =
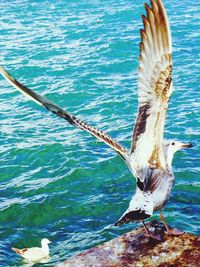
[(35, 253)]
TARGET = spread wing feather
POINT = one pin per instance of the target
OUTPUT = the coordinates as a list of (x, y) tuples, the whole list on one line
[(43, 101), (154, 88)]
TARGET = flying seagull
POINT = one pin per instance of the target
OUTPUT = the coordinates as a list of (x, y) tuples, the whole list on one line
[(35, 253), (150, 156)]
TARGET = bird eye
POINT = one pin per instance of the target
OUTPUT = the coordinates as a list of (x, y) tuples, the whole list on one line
[(173, 143)]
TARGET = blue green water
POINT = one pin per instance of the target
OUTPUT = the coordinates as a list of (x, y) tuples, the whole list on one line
[(57, 181)]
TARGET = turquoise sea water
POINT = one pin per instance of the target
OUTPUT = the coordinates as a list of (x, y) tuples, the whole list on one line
[(57, 181)]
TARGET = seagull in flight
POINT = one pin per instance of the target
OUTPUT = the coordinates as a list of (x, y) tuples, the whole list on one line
[(150, 156)]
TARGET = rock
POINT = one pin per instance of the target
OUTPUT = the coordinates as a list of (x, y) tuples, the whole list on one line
[(135, 249)]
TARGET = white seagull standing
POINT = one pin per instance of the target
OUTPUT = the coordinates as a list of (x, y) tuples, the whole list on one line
[(150, 157), (34, 254)]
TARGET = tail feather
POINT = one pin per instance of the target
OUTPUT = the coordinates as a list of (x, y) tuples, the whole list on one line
[(140, 208), (16, 250), (132, 215), (19, 251)]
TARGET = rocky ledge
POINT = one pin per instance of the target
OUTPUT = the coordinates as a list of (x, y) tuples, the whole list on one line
[(134, 249)]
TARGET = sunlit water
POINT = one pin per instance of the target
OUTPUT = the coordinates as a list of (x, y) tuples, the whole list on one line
[(57, 181)]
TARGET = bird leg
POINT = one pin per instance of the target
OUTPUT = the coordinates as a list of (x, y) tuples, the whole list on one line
[(170, 231), (149, 234)]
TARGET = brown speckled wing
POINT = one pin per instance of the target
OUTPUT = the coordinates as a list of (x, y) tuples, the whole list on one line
[(154, 87), (43, 101)]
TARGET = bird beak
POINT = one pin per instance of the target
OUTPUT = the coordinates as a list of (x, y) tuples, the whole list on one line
[(186, 145)]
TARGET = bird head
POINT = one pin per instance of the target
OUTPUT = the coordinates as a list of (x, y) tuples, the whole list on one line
[(171, 147), (45, 241)]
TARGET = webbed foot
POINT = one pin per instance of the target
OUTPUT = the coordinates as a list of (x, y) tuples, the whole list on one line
[(174, 232), (151, 235)]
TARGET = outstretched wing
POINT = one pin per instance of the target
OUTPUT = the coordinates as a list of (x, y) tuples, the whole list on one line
[(43, 101), (154, 88)]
